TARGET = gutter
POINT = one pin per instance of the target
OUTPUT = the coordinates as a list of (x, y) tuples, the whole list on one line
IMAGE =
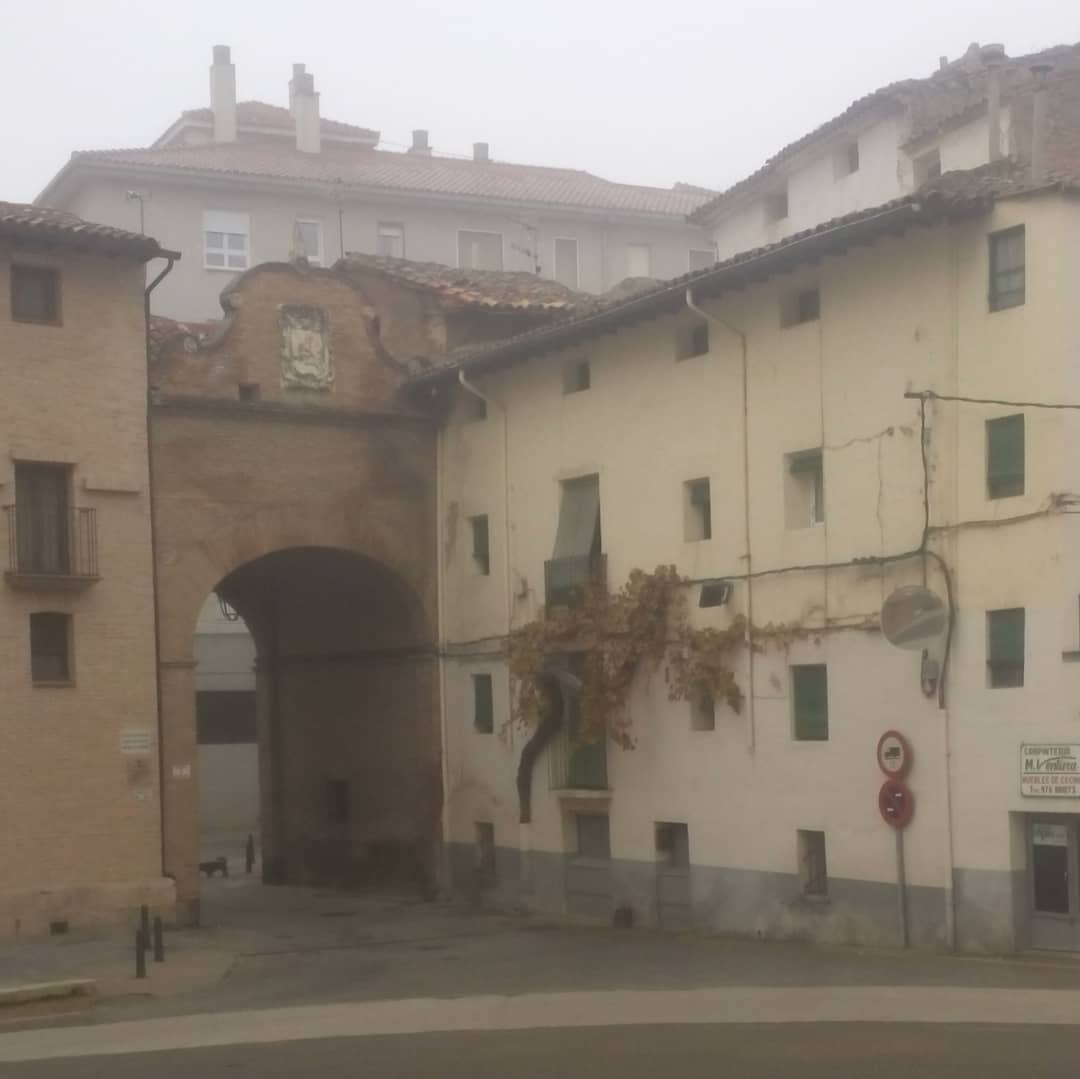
[(172, 258)]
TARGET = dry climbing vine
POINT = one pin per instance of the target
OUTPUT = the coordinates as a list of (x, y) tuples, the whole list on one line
[(611, 636)]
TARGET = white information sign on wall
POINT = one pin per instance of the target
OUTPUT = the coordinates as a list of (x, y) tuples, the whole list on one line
[(135, 740), (1050, 770)]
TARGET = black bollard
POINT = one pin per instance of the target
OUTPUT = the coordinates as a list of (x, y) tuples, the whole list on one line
[(249, 855), (140, 954), (159, 941), (144, 924)]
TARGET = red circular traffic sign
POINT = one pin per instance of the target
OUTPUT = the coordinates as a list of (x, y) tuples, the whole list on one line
[(896, 803), (894, 756)]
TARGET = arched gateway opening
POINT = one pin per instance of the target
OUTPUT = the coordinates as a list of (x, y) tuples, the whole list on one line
[(344, 684)]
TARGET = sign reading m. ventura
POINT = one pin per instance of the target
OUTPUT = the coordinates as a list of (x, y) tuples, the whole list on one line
[(1050, 770)]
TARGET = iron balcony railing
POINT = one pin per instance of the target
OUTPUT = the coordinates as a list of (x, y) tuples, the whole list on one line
[(61, 545), (577, 765), (566, 579)]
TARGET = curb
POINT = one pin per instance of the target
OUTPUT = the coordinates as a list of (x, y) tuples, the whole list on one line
[(70, 988)]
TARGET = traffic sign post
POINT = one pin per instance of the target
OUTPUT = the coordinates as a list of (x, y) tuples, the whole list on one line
[(896, 804), (894, 755)]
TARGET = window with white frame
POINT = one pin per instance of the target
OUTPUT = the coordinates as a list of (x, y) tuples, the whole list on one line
[(638, 260), (311, 239), (226, 240), (566, 261), (480, 250), (390, 239), (702, 258)]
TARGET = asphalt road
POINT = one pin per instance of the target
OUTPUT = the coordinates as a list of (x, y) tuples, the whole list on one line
[(808, 1051)]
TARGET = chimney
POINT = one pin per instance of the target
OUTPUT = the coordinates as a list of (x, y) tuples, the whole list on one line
[(480, 151), (993, 56), (1038, 122), (223, 95), (420, 143), (298, 72), (942, 63), (306, 112)]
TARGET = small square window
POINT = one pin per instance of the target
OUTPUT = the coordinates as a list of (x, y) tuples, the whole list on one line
[(813, 869), (714, 593), (390, 239), (480, 250), (673, 844), (483, 706), (692, 341), (802, 306), (50, 648), (1005, 648), (576, 376), (701, 258), (337, 801), (810, 702), (481, 551), (804, 489), (927, 167), (485, 851), (697, 510), (847, 160), (593, 835), (702, 710), (1005, 456), (1007, 269), (776, 205), (35, 294)]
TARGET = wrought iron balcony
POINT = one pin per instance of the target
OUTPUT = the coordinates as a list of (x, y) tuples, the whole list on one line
[(576, 765), (566, 579), (51, 552)]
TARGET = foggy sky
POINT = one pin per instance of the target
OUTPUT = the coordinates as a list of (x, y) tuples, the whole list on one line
[(642, 92)]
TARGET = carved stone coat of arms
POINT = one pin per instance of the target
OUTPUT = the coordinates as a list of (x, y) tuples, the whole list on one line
[(306, 362)]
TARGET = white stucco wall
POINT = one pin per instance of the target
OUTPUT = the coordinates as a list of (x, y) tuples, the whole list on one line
[(174, 216), (906, 313)]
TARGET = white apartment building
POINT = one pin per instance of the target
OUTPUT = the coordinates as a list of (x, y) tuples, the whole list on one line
[(803, 430), (886, 144), (245, 182)]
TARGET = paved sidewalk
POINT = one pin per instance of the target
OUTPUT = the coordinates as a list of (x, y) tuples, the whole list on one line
[(280, 947)]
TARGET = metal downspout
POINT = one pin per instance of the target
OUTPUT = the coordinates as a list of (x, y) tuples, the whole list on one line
[(171, 258), (717, 321)]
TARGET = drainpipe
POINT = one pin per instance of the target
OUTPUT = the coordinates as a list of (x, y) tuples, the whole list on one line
[(440, 636), (171, 259), (717, 321), (475, 391)]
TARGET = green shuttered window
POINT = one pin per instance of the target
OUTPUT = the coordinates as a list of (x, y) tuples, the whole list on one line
[(1005, 456), (810, 693), (1007, 269), (1005, 647)]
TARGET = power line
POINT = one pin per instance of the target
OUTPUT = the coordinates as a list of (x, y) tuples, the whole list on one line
[(932, 395)]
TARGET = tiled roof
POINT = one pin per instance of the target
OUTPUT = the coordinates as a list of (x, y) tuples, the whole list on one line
[(931, 103), (370, 169), (22, 221), (953, 195), (493, 289), (262, 114)]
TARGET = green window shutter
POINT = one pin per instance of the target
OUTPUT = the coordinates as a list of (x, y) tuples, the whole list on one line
[(810, 689), (1005, 647), (483, 709), (1005, 456), (1007, 269)]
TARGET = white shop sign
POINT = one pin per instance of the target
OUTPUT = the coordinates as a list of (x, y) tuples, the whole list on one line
[(1050, 770)]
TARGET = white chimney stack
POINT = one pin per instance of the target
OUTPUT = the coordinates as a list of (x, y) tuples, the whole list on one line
[(298, 72), (480, 151), (223, 95), (993, 57), (420, 143), (306, 112), (1038, 122)]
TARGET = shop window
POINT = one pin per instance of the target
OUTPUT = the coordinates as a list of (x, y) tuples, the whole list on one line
[(1050, 867)]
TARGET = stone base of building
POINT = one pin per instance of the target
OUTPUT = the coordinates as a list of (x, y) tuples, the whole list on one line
[(39, 912), (755, 903)]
